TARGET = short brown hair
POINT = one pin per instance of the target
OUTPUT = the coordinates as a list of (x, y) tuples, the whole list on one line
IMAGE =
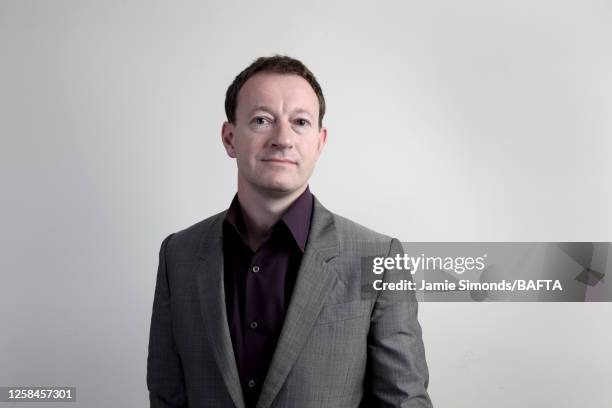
[(278, 64)]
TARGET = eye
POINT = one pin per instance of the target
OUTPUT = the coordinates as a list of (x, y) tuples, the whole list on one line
[(302, 122), (260, 120)]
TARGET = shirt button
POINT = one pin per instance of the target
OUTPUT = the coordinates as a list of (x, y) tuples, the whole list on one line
[(253, 325), (255, 269), (251, 383)]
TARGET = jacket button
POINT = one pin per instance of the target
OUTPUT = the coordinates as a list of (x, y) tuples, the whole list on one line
[(253, 325), (255, 269), (251, 383)]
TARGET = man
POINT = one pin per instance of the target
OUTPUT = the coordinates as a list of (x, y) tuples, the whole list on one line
[(262, 305)]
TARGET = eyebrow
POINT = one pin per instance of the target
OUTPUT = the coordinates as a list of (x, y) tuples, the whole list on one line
[(268, 110)]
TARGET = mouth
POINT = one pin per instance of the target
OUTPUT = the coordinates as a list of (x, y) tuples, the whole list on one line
[(279, 161)]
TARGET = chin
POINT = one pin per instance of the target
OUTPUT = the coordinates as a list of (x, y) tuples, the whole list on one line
[(279, 187)]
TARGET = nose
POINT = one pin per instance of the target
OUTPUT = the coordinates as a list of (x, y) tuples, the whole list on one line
[(282, 136)]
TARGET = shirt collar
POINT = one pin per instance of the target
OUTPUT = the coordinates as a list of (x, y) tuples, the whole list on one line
[(296, 217)]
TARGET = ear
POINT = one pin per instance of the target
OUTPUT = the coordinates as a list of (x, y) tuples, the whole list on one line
[(227, 137), (322, 139)]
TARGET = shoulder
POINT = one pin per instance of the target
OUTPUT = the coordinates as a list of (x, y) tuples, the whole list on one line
[(354, 238), (349, 229), (185, 243)]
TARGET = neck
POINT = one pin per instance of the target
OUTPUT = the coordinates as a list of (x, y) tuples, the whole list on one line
[(261, 211)]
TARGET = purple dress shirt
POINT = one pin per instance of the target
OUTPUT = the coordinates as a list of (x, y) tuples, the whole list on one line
[(258, 287)]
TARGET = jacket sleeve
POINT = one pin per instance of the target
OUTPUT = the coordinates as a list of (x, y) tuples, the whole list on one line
[(397, 371), (165, 379)]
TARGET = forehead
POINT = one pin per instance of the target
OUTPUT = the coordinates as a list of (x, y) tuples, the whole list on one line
[(278, 91)]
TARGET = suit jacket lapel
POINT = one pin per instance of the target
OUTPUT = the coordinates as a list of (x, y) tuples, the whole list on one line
[(314, 280), (212, 302)]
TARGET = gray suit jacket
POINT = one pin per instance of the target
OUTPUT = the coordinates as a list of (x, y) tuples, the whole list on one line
[(338, 346)]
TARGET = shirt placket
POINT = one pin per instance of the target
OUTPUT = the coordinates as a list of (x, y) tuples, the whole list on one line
[(253, 325)]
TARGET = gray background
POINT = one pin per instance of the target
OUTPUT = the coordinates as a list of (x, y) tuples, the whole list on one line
[(448, 121)]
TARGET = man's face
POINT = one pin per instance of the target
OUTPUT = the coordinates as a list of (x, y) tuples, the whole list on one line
[(275, 140)]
